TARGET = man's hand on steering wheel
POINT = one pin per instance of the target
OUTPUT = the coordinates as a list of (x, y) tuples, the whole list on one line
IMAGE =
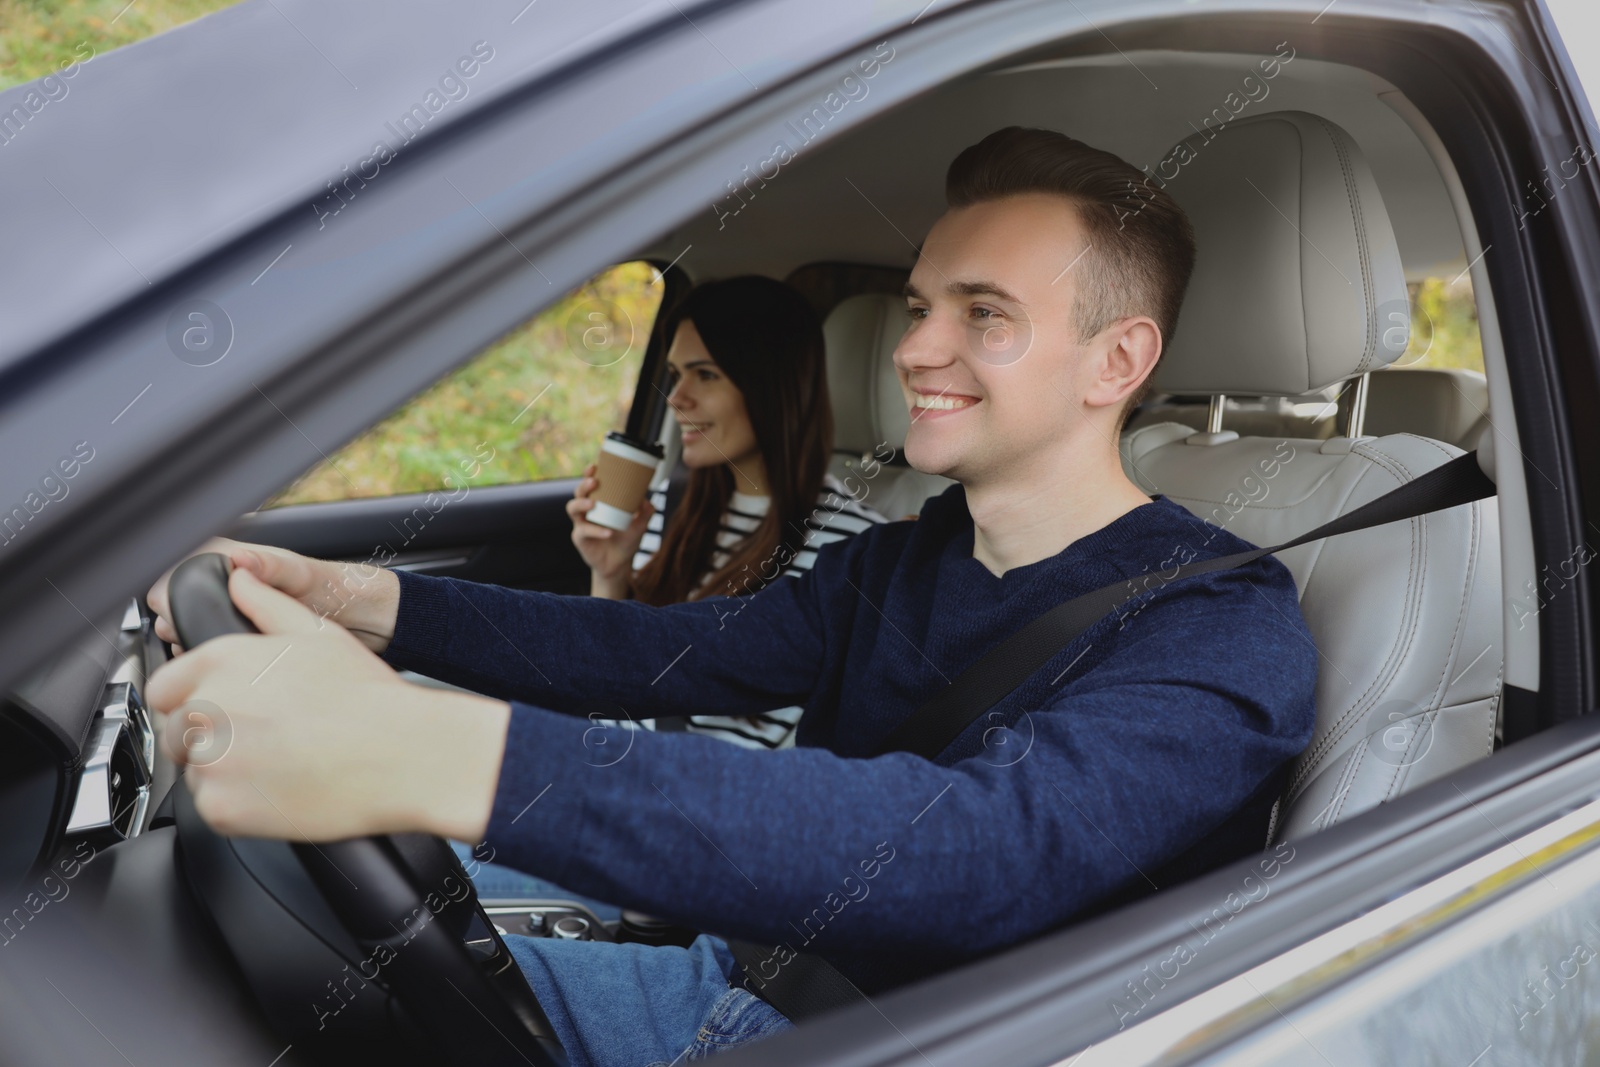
[(362, 598), (327, 742)]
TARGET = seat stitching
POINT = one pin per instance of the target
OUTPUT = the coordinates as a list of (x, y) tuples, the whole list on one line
[(1427, 441), (1440, 445), (1442, 686), (1357, 756), (1398, 770), (1432, 715), (1385, 675), (1362, 250), (1433, 718), (1494, 704), (1341, 728), (1341, 786), (1363, 253), (1475, 513), (1308, 497), (1476, 526), (1396, 786), (1474, 560)]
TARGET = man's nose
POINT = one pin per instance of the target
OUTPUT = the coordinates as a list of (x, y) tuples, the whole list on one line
[(927, 345)]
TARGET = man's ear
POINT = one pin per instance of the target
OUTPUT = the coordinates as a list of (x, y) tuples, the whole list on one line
[(1132, 349)]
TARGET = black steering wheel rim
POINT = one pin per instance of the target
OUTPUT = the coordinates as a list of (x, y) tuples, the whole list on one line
[(409, 927)]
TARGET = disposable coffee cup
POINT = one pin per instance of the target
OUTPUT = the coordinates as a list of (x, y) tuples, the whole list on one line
[(623, 472)]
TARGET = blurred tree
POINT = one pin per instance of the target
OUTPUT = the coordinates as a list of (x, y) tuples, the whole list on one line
[(1444, 325)]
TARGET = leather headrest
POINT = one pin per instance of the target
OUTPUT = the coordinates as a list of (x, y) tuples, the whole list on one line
[(1298, 282), (868, 407)]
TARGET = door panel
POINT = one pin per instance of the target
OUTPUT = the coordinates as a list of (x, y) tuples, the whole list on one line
[(515, 535)]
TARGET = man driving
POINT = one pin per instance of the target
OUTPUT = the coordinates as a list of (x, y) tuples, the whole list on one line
[(1151, 746)]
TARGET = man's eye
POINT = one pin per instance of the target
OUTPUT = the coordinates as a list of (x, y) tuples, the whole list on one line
[(917, 313), (983, 313)]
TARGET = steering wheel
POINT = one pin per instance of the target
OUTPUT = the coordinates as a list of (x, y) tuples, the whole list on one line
[(374, 949)]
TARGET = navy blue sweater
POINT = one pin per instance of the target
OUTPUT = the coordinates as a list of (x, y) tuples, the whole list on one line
[(1159, 728)]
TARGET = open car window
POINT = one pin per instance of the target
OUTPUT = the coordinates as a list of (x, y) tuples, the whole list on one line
[(531, 407)]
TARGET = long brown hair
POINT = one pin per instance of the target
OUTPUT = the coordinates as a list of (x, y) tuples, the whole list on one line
[(767, 339)]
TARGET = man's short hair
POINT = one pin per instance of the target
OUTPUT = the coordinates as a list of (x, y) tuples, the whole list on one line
[(1141, 245)]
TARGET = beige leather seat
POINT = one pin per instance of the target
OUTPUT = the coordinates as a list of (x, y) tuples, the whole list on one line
[(1297, 285), (869, 411), (1446, 404)]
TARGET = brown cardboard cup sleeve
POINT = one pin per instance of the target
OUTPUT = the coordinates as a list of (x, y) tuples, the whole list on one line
[(623, 472)]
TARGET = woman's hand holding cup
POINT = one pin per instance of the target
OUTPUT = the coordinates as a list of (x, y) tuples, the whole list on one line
[(609, 553)]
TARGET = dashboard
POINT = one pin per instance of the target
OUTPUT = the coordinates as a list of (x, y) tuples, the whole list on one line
[(98, 926), (78, 754)]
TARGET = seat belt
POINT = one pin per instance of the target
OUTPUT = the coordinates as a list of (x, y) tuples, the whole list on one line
[(808, 984), (932, 727)]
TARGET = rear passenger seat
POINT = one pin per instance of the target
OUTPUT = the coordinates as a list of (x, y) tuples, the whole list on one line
[(1309, 416), (1446, 405)]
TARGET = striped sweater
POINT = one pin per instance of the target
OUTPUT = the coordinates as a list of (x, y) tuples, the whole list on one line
[(837, 516)]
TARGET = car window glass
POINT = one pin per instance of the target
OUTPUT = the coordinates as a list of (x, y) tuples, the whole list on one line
[(1512, 984), (532, 406), (1444, 326)]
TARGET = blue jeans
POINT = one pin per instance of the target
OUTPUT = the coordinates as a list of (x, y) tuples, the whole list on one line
[(642, 1006), (492, 880), (633, 1005)]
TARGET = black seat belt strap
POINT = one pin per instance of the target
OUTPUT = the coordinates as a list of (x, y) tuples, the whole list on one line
[(933, 726)]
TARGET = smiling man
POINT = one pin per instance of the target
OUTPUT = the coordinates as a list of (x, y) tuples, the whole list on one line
[(1028, 346), (1149, 747)]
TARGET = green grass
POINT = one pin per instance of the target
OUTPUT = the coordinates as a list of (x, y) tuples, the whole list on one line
[(541, 398), (37, 36)]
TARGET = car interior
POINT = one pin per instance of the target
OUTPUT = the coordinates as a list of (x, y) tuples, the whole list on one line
[(1321, 199), (1406, 616)]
